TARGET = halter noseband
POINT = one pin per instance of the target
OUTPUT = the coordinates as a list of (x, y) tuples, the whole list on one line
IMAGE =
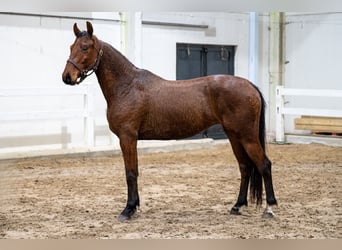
[(92, 67)]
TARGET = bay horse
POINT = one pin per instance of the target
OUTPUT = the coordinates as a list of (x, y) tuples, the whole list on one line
[(142, 105)]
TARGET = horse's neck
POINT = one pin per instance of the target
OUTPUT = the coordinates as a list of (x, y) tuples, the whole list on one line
[(114, 71)]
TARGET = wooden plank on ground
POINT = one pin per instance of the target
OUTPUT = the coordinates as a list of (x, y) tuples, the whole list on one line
[(319, 124)]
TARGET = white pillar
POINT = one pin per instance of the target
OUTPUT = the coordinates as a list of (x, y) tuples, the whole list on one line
[(253, 65), (131, 36), (276, 66), (280, 119)]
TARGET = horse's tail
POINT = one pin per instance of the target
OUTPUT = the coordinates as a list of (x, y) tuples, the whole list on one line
[(256, 184)]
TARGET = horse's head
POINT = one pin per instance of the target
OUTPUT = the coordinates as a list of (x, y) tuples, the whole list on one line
[(85, 55)]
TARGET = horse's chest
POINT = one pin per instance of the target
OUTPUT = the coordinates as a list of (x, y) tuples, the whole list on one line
[(123, 117)]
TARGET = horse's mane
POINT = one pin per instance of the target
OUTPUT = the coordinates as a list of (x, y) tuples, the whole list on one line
[(119, 55)]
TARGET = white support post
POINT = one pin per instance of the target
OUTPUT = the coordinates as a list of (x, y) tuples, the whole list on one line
[(253, 47), (131, 36), (280, 121), (276, 62)]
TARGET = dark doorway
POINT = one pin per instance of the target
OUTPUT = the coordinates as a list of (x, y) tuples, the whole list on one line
[(195, 60)]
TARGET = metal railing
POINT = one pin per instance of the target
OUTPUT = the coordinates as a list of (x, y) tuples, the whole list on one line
[(281, 110)]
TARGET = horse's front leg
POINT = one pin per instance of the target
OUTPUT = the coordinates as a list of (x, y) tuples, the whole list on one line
[(129, 150)]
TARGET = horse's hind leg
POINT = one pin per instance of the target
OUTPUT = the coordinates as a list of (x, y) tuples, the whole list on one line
[(258, 156), (245, 169)]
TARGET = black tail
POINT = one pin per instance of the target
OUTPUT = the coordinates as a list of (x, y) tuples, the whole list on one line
[(256, 184)]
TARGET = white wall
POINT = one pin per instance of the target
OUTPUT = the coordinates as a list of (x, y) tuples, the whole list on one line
[(34, 50), (313, 52)]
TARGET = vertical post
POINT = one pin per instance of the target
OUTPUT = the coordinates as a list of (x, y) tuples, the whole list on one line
[(253, 65), (89, 115), (131, 36), (276, 63), (280, 129)]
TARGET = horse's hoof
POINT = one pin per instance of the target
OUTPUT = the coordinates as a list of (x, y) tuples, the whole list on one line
[(127, 214), (268, 215), (123, 218), (235, 211)]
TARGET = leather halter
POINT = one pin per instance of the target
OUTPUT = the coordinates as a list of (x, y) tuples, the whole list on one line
[(92, 67)]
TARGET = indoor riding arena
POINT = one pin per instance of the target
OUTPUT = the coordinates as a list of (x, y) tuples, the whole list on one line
[(68, 161), (184, 194)]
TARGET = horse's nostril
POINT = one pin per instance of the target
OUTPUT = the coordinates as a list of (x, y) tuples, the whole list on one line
[(67, 79)]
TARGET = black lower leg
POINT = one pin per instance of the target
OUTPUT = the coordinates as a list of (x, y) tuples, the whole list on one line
[(129, 211), (133, 197), (267, 175), (242, 199), (236, 209)]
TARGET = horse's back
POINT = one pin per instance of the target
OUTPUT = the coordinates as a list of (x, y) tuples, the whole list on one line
[(178, 109), (174, 110)]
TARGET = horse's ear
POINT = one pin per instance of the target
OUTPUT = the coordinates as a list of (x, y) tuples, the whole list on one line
[(76, 30), (89, 29)]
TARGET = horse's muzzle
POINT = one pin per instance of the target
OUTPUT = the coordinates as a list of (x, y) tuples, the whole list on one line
[(67, 79)]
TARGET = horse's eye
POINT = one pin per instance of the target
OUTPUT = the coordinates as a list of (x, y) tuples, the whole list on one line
[(85, 47)]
